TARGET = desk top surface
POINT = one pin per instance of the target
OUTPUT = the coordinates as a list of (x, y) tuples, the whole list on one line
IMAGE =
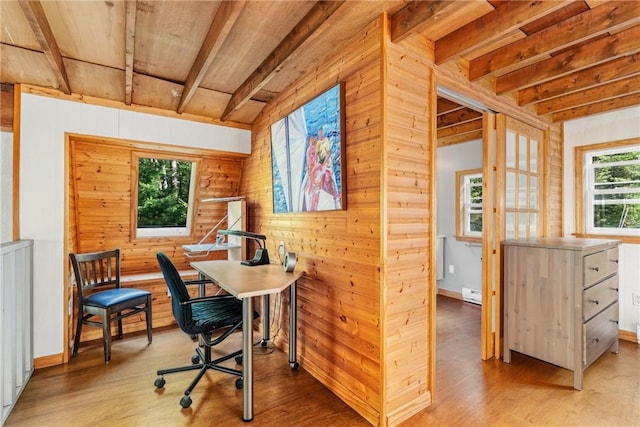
[(243, 281)]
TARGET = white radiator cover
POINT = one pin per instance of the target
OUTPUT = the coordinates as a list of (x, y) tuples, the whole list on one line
[(471, 295)]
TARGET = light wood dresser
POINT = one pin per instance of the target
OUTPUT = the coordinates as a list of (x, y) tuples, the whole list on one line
[(561, 300)]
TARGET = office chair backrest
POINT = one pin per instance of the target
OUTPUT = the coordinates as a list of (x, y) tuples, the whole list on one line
[(96, 270), (179, 293)]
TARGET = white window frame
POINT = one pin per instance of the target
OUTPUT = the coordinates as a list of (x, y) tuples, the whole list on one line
[(591, 191), (465, 207), (586, 191), (170, 232)]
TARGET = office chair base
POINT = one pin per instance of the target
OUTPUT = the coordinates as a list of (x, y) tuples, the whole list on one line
[(203, 367)]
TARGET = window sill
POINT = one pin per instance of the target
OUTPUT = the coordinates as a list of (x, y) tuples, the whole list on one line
[(624, 239), (469, 239)]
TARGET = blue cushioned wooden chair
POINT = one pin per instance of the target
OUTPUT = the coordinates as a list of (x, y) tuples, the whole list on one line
[(201, 316), (100, 295)]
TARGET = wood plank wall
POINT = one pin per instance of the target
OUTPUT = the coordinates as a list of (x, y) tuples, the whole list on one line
[(6, 107), (363, 302), (100, 205), (339, 296), (555, 161), (408, 225)]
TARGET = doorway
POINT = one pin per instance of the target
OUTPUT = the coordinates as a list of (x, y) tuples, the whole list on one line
[(509, 155)]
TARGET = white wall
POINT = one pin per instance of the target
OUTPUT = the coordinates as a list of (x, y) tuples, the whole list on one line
[(466, 260), (6, 187), (613, 126), (44, 122)]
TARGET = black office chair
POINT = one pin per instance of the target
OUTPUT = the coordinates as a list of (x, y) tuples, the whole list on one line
[(99, 294), (201, 316)]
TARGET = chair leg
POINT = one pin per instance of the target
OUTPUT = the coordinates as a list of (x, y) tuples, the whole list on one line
[(106, 335), (119, 325), (76, 339), (149, 318)]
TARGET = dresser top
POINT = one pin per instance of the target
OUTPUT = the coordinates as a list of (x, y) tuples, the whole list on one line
[(568, 243)]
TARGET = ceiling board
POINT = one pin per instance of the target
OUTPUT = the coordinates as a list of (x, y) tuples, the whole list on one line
[(168, 35)]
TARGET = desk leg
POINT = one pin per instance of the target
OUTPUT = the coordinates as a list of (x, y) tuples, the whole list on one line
[(247, 358), (293, 318), (266, 312)]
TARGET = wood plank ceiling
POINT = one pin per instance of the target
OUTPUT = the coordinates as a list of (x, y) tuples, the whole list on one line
[(221, 61)]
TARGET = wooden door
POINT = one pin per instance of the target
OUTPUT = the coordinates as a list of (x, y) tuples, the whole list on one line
[(513, 165)]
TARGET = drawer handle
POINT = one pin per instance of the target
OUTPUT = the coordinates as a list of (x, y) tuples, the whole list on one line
[(595, 340), (614, 321), (614, 260), (594, 268), (594, 301), (614, 289)]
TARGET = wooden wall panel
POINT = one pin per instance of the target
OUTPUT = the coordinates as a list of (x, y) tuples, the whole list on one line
[(339, 296), (100, 205), (407, 266), (364, 302), (555, 169), (6, 107)]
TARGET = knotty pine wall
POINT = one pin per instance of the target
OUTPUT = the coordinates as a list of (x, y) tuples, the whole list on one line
[(364, 302), (101, 203)]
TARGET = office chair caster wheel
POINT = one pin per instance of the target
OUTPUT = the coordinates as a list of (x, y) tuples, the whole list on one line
[(294, 365), (159, 382), (195, 359), (185, 402), (238, 360), (239, 383)]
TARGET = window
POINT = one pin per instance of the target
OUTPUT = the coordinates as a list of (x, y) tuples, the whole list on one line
[(469, 204), (610, 188), (164, 196)]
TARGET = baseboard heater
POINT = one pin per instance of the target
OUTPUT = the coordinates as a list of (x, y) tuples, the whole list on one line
[(472, 296)]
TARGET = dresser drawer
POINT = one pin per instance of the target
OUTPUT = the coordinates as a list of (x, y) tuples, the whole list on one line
[(599, 334), (597, 297), (599, 265)]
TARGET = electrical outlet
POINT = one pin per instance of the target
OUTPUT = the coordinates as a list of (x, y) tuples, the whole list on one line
[(636, 299), (452, 269), (281, 249)]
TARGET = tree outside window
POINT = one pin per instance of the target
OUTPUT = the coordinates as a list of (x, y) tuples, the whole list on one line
[(164, 196)]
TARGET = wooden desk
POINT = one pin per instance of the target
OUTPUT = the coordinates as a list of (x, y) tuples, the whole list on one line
[(244, 283)]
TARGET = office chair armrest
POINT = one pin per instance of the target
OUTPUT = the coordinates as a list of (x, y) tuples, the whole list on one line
[(198, 282), (206, 298)]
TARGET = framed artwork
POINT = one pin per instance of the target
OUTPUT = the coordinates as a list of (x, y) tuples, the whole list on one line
[(307, 156)]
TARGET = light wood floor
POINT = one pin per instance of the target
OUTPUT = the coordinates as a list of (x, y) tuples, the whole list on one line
[(469, 391)]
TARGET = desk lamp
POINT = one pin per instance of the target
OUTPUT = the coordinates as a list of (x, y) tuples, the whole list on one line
[(262, 256)]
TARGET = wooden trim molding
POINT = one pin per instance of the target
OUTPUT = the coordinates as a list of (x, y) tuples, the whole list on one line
[(46, 361), (91, 100), (16, 161), (627, 336)]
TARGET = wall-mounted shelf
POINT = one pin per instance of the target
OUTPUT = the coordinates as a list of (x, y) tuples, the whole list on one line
[(235, 246)]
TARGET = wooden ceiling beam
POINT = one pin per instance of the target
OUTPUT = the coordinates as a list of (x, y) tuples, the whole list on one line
[(414, 16), (37, 19), (582, 79), (464, 114), (458, 138), (589, 96), (597, 108), (130, 44), (505, 19), (226, 17), (276, 60), (626, 42), (444, 106), (607, 17), (460, 128)]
